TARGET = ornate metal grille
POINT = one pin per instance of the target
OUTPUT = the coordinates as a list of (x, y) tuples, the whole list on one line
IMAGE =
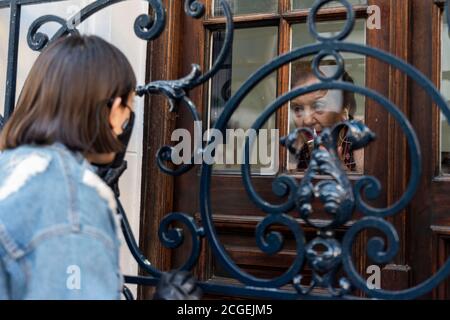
[(339, 197)]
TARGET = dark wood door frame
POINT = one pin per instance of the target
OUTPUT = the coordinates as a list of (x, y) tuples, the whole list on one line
[(159, 123), (184, 42), (429, 226)]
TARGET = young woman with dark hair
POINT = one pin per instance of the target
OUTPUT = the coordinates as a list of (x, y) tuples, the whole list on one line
[(58, 228)]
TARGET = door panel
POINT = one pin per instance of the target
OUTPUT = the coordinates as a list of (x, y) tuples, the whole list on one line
[(235, 216), (430, 222)]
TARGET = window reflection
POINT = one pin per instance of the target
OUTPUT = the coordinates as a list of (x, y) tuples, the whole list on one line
[(247, 6), (252, 48), (306, 4), (323, 109)]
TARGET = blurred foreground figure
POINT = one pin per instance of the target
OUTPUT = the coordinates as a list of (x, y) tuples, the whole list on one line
[(177, 285)]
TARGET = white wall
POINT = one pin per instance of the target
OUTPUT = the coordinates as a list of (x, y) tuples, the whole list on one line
[(4, 29), (114, 24)]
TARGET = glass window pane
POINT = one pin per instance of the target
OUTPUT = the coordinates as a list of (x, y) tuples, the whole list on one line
[(445, 88), (252, 48), (306, 4), (4, 35), (247, 6), (322, 109)]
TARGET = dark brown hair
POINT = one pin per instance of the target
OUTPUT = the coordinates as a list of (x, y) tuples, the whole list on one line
[(67, 94)]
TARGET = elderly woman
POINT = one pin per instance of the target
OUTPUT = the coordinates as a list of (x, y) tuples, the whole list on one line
[(319, 110)]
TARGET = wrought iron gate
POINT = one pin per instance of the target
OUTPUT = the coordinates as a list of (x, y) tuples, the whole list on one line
[(339, 197)]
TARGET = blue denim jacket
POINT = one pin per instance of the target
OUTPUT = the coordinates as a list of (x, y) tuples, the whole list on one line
[(58, 227)]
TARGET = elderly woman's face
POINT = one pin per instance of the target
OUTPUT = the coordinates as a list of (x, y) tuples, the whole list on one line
[(313, 110)]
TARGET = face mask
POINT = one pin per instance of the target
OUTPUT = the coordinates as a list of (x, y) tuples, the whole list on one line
[(112, 172), (124, 138)]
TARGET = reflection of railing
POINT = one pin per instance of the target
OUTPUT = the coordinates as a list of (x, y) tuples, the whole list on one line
[(339, 197)]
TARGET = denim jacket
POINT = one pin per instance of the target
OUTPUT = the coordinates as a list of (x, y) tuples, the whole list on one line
[(58, 227)]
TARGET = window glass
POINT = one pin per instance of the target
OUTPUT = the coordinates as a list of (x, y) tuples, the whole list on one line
[(306, 4), (323, 109), (247, 6), (252, 48)]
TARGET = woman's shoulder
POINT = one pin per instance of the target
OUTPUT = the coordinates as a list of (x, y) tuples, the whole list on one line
[(50, 171), (18, 166), (21, 165), (43, 188), (35, 179)]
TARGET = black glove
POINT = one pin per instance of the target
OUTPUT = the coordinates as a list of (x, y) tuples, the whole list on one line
[(111, 175)]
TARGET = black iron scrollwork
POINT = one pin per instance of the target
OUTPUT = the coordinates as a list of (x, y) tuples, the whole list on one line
[(339, 198), (194, 8), (145, 27), (173, 237), (325, 254), (176, 90), (336, 194), (38, 40)]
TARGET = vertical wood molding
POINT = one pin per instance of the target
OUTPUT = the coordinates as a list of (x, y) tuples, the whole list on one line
[(159, 123), (436, 31), (398, 167), (426, 207), (284, 46)]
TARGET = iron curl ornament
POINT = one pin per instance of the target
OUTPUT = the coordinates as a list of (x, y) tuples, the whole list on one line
[(145, 26), (325, 255)]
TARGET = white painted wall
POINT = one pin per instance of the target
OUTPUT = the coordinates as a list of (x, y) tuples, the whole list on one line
[(4, 30), (114, 24)]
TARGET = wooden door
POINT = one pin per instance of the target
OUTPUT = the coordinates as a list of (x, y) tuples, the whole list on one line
[(429, 228), (263, 32)]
